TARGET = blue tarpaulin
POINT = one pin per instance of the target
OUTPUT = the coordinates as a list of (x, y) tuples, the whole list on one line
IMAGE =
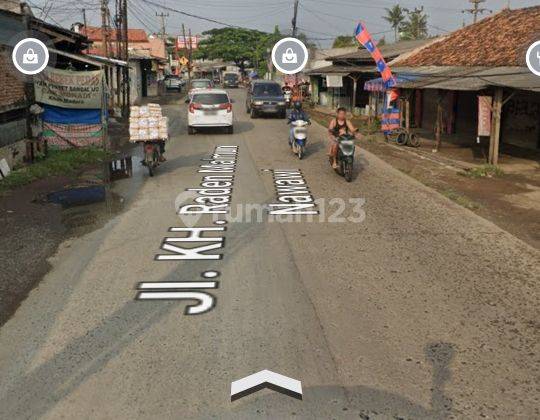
[(57, 115)]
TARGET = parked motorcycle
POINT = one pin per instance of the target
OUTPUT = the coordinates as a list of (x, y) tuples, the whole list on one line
[(299, 140), (345, 156)]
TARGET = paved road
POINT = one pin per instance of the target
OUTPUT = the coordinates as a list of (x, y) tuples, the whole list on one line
[(423, 310)]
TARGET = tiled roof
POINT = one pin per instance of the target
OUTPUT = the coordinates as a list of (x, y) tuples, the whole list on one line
[(95, 34), (389, 51), (499, 40)]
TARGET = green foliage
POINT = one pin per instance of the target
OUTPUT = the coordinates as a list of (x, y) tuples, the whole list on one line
[(342, 41), (484, 171), (460, 199), (65, 162), (244, 47), (395, 16), (415, 26)]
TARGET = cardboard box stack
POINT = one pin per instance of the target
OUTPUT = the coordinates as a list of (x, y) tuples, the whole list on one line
[(147, 123)]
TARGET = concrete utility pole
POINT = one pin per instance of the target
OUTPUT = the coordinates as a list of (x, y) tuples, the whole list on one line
[(162, 16), (476, 9), (294, 18), (190, 53), (84, 23), (186, 53), (122, 37), (105, 27)]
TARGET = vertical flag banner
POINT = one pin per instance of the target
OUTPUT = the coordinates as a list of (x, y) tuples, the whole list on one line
[(390, 120), (364, 37)]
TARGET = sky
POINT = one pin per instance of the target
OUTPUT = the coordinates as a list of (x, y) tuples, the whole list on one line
[(320, 20)]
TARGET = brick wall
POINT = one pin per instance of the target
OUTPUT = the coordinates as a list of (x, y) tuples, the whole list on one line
[(11, 85), (12, 110)]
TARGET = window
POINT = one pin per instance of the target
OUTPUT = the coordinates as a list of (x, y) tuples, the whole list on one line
[(211, 98), (201, 84), (267, 89)]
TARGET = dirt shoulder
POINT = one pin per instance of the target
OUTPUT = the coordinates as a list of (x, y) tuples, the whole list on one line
[(511, 201), (32, 227)]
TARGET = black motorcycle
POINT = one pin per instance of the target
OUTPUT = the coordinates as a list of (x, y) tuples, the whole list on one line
[(345, 156)]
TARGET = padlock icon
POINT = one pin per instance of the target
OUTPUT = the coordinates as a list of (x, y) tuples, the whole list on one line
[(289, 57), (30, 57)]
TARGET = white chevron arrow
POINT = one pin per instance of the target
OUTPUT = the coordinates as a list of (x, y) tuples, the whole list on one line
[(266, 379)]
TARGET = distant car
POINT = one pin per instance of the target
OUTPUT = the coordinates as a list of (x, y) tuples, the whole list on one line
[(199, 84), (216, 80), (210, 108), (230, 80), (173, 82), (265, 97)]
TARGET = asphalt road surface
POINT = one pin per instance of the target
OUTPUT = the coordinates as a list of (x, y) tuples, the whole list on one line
[(420, 310)]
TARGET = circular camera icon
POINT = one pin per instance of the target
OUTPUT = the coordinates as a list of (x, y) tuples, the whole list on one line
[(30, 56), (289, 55), (533, 58)]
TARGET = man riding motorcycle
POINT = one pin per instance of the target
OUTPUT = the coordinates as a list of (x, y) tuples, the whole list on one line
[(338, 126), (296, 114)]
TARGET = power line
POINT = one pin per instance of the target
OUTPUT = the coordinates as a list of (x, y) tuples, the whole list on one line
[(192, 15)]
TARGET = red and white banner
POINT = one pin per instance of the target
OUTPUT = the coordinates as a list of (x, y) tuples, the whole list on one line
[(484, 115)]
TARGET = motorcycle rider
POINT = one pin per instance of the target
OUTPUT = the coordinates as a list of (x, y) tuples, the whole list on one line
[(338, 126), (296, 114)]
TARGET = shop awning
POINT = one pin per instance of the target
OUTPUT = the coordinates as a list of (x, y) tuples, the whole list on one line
[(378, 84)]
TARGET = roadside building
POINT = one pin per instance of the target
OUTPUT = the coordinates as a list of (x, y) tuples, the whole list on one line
[(473, 86), (147, 59), (340, 81), (17, 94)]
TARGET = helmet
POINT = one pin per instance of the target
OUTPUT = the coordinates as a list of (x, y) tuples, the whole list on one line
[(297, 105)]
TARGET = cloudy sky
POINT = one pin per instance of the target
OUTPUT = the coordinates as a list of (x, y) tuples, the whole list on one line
[(321, 20)]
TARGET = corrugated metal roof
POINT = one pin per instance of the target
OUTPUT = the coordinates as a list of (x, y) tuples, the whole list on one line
[(336, 69), (389, 51), (469, 78)]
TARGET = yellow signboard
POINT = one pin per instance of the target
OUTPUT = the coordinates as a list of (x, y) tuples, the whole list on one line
[(183, 61)]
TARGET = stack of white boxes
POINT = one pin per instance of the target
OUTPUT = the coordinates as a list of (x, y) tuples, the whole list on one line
[(147, 123)]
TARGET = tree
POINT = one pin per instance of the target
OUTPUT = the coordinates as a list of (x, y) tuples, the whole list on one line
[(242, 46), (415, 27), (342, 41), (395, 16)]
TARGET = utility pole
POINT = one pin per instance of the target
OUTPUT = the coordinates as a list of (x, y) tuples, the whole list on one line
[(294, 18), (104, 27), (190, 51), (122, 53), (185, 54), (476, 9), (84, 23), (294, 35), (162, 16)]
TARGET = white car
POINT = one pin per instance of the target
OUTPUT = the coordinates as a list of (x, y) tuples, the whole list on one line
[(210, 108), (199, 84)]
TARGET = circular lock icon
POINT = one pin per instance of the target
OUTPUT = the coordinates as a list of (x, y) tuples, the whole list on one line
[(30, 56), (289, 55)]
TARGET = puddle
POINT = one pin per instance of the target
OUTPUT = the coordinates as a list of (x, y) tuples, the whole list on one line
[(83, 219), (77, 196), (101, 196)]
